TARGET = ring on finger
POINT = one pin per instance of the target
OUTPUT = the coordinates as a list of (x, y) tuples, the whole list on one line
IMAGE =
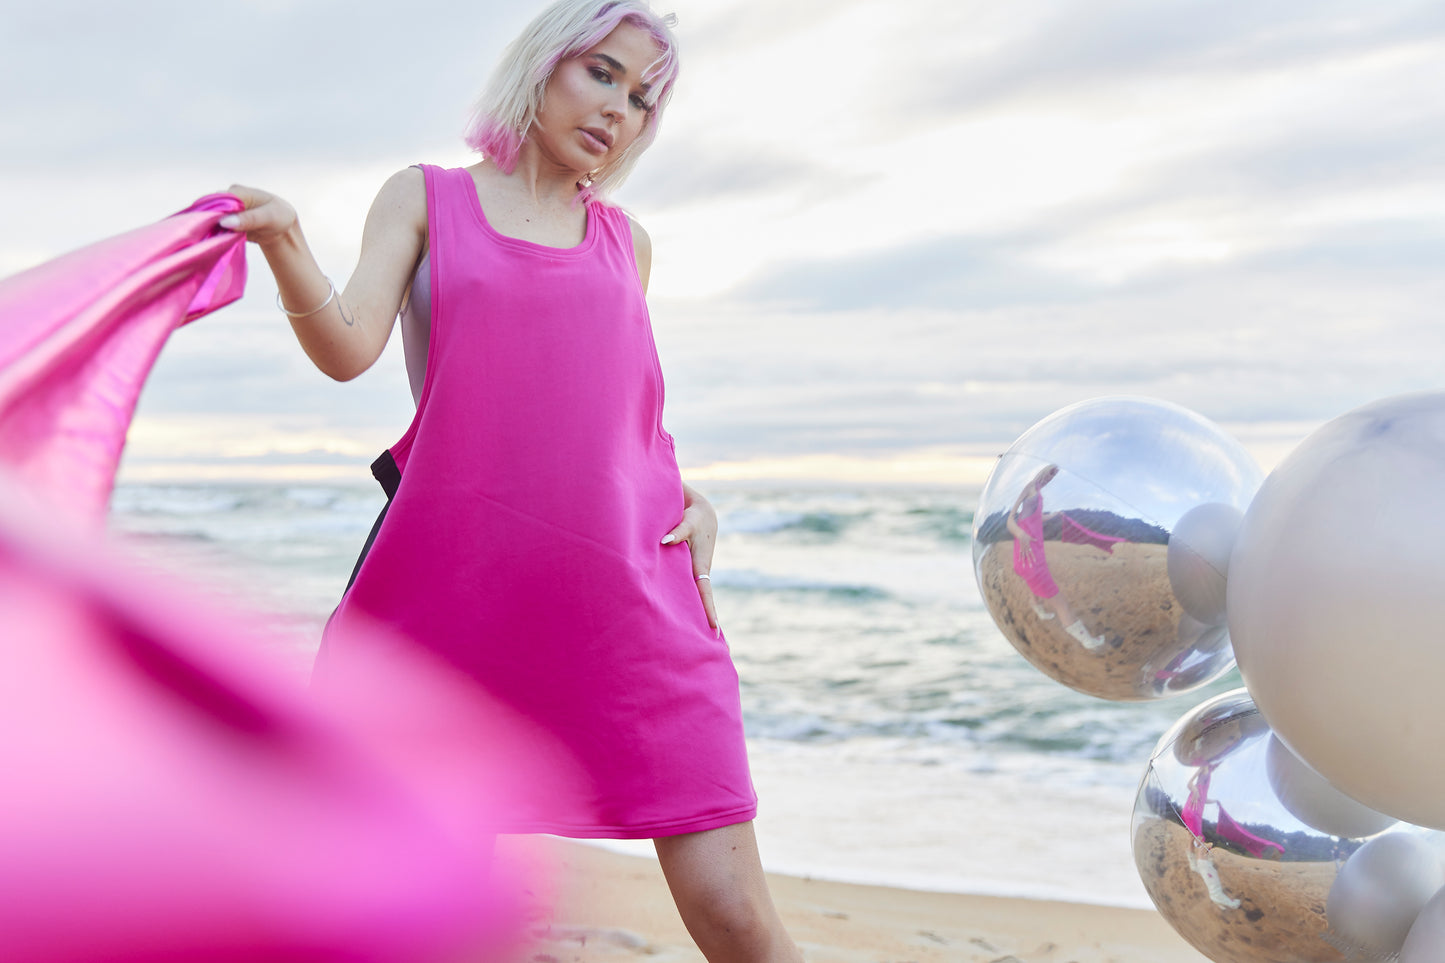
[(699, 578)]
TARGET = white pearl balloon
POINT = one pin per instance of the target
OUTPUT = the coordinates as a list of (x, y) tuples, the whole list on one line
[(1198, 559), (1336, 604), (1426, 942), (1381, 889), (1312, 800)]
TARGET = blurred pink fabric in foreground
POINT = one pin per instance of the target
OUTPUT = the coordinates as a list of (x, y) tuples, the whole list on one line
[(167, 797), (79, 334), (166, 794)]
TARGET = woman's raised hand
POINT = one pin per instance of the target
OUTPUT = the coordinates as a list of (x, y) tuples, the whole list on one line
[(266, 218), (699, 529)]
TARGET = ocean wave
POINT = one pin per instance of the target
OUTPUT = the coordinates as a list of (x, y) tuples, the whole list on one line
[(744, 580), (1091, 743), (771, 522), (174, 500), (160, 539), (947, 523)]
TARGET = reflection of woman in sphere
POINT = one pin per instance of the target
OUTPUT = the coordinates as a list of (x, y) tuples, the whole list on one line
[(1026, 523), (539, 536), (1206, 745)]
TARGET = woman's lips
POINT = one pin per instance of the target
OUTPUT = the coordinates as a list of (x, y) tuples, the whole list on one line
[(597, 141)]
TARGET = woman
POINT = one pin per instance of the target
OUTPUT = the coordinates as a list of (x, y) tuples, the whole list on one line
[(1026, 523), (535, 532)]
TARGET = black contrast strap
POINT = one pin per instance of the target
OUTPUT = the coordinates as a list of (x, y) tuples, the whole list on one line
[(384, 470)]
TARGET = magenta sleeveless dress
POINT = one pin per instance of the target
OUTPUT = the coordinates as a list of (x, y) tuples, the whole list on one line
[(523, 540)]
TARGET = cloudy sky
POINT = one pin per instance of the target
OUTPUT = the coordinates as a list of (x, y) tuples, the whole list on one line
[(890, 234)]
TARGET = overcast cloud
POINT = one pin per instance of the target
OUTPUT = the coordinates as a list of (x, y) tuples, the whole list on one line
[(881, 228)]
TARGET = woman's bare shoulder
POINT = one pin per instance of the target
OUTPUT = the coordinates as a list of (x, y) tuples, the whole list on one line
[(639, 236), (404, 192), (641, 250)]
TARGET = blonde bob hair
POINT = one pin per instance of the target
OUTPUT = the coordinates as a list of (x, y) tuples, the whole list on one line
[(513, 95)]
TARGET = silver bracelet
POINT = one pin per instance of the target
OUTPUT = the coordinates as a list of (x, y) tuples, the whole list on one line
[(307, 314), (699, 578)]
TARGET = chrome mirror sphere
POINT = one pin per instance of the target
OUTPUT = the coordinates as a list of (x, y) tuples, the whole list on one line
[(1101, 545), (1232, 868)]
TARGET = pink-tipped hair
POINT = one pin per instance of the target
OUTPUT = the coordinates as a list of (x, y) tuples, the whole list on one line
[(566, 29)]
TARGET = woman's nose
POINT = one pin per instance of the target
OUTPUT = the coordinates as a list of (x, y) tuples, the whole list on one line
[(616, 106)]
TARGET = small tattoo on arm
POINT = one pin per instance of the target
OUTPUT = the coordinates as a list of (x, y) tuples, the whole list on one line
[(345, 314)]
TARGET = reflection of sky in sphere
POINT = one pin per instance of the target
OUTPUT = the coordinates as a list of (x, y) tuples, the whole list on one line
[(1137, 457)]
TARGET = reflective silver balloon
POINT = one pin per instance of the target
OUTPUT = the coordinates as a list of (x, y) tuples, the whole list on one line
[(1076, 554), (1226, 863)]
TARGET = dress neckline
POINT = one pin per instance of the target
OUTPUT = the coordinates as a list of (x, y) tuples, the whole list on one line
[(589, 236)]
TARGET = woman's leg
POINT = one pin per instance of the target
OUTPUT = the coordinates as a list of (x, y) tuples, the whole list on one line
[(1060, 607), (717, 882)]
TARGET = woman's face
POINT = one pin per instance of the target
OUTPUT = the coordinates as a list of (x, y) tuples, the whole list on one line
[(596, 103)]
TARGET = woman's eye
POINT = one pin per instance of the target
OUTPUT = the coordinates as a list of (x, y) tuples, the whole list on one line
[(640, 103), (599, 74)]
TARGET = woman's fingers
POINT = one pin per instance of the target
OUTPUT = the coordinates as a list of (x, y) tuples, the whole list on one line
[(704, 589), (701, 548), (265, 215), (700, 545), (249, 196), (699, 538)]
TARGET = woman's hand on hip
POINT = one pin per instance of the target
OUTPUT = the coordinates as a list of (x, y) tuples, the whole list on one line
[(698, 529)]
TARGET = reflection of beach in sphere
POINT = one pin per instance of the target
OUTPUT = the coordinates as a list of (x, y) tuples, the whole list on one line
[(1071, 546), (1280, 918), (1130, 582)]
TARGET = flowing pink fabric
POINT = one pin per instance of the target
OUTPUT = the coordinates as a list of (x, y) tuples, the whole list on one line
[(523, 542), (1227, 827), (1076, 534), (1235, 833), (170, 796), (79, 334)]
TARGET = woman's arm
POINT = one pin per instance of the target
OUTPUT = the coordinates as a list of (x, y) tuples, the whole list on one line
[(1013, 527), (699, 520), (345, 334)]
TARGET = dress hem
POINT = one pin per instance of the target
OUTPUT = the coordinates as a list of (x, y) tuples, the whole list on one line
[(650, 831)]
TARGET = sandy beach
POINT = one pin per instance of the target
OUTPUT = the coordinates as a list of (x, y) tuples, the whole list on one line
[(613, 907)]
